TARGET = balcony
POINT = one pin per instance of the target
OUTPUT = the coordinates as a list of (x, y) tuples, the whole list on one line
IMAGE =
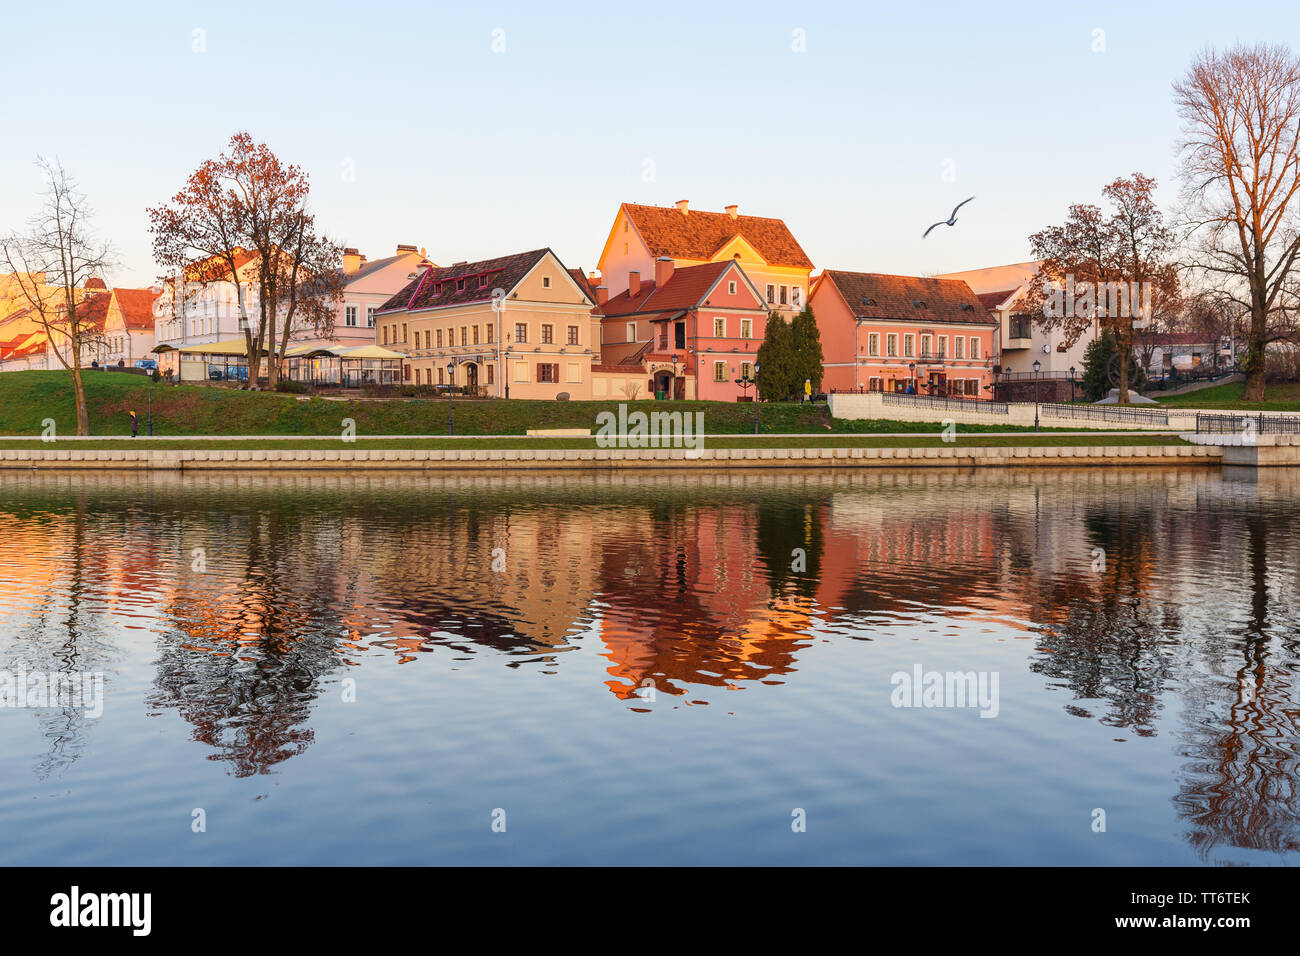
[(1020, 332)]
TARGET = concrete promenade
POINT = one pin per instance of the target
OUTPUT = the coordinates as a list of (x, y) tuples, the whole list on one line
[(600, 459)]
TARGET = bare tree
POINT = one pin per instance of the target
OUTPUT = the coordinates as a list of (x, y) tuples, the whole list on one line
[(1241, 186), (248, 208), (51, 262)]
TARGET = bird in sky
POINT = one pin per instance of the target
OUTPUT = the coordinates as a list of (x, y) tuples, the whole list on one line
[(951, 221)]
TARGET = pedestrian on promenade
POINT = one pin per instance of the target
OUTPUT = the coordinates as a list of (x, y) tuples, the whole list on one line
[(135, 425)]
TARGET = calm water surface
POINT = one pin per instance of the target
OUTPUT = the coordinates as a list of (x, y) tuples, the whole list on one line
[(653, 669)]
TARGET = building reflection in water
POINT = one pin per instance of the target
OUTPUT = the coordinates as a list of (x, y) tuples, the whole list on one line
[(687, 585)]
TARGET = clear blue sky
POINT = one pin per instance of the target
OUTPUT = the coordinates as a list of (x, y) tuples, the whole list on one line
[(474, 153)]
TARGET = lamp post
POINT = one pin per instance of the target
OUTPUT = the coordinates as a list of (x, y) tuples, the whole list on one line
[(911, 370), (1037, 365), (451, 383), (149, 392), (1071, 384), (672, 382)]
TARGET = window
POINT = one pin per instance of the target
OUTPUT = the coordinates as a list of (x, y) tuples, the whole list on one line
[(746, 328), (548, 373), (417, 376), (719, 328), (631, 331), (925, 346), (521, 371), (1020, 327), (482, 282), (439, 375), (875, 384), (747, 371), (475, 336), (464, 335), (909, 345), (891, 345), (385, 335), (406, 373), (440, 338), (873, 343), (958, 346), (575, 373), (785, 294), (719, 371), (547, 335), (972, 385), (521, 333), (731, 288), (350, 316), (546, 282), (428, 338), (491, 372), (771, 294), (489, 333), (974, 347), (943, 346), (403, 331), (795, 294), (573, 335), (663, 337), (460, 285)]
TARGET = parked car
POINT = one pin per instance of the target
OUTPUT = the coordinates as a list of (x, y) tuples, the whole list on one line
[(149, 365)]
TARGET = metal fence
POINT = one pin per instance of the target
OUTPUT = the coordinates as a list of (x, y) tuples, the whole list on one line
[(1108, 413), (1236, 424), (952, 404)]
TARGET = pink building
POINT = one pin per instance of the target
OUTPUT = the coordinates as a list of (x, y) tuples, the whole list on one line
[(692, 330), (887, 333)]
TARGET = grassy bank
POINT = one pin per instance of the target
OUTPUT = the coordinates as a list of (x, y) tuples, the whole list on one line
[(28, 398), (1277, 398), (829, 441)]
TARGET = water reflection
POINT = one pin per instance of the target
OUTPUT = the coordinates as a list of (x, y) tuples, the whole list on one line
[(252, 597)]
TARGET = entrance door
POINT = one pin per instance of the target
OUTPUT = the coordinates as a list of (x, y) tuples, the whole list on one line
[(663, 384), (471, 377)]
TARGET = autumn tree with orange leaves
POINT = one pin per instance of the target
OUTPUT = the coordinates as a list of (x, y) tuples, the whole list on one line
[(248, 201)]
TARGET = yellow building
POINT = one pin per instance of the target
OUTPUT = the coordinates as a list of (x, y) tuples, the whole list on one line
[(765, 248), (518, 326)]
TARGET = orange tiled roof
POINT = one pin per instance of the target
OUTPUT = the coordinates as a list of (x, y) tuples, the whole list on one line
[(909, 298), (991, 300), (700, 234), (136, 306), (685, 289)]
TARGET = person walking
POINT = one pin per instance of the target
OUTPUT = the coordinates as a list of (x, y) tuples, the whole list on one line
[(135, 424)]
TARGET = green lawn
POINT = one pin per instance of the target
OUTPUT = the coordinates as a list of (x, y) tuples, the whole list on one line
[(27, 398), (829, 441), (1277, 398)]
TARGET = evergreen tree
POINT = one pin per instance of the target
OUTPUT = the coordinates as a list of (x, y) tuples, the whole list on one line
[(807, 344), (776, 369), (1096, 366)]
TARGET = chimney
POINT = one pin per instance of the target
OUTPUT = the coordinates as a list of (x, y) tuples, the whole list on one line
[(403, 249), (633, 284), (683, 206), (351, 260), (602, 295), (664, 266), (732, 211)]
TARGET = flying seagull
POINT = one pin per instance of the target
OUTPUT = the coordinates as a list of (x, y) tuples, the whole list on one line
[(951, 221)]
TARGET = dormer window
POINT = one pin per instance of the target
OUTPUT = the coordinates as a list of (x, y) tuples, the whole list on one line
[(482, 282), (460, 285), (918, 304), (868, 301)]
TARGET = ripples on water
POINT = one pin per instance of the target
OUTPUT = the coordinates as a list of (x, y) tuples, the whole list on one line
[(653, 668)]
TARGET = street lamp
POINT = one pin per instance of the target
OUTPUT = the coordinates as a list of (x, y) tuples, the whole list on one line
[(755, 398), (1071, 384), (1037, 365), (911, 370), (451, 382), (673, 380)]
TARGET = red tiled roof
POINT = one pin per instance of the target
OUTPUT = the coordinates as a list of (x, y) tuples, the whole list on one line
[(1183, 338), (909, 298), (700, 234), (991, 300), (93, 310), (583, 283), (423, 292), (685, 289), (136, 306)]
